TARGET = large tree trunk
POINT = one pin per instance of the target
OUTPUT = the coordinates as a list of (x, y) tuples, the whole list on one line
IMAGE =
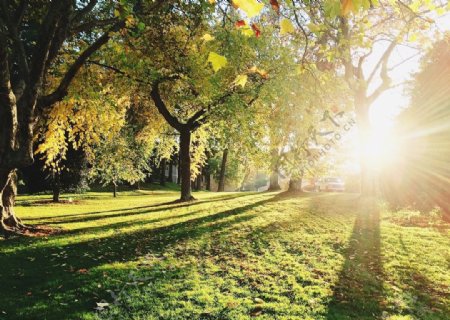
[(368, 178), (223, 166), (295, 185), (185, 165), (56, 186), (162, 174), (273, 182), (179, 169), (8, 189)]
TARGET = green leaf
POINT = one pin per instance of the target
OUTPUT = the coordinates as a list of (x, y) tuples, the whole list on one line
[(141, 26)]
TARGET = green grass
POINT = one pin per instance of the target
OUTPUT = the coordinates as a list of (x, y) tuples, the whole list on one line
[(226, 256)]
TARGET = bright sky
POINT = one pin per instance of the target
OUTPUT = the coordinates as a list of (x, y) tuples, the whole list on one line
[(387, 106)]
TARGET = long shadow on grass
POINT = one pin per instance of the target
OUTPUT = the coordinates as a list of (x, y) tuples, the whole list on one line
[(97, 215), (425, 299), (358, 293), (45, 282)]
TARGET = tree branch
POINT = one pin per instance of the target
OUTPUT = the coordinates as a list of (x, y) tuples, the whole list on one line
[(61, 91), (18, 44), (383, 61), (42, 48), (79, 14), (162, 108), (8, 107), (20, 12), (87, 26)]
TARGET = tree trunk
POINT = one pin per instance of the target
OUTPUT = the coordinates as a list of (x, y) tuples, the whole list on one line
[(273, 183), (368, 179), (185, 165), (223, 166), (56, 186), (114, 189), (207, 178), (295, 185), (179, 169), (199, 182), (162, 175), (170, 178), (8, 189)]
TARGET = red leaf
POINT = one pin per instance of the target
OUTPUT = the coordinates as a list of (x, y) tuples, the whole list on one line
[(256, 30), (240, 23), (275, 5), (82, 271)]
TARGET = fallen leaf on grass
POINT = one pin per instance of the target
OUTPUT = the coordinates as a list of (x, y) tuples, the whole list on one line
[(82, 271)]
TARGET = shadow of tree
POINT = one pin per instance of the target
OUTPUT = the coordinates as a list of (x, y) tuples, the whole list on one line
[(427, 300), (97, 215), (424, 298), (358, 294), (45, 272)]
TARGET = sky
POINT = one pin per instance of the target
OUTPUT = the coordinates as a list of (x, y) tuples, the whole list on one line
[(384, 110), (388, 105)]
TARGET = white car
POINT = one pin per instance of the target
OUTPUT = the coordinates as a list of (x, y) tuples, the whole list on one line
[(330, 184)]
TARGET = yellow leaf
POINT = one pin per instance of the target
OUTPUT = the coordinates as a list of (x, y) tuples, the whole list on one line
[(286, 26), (263, 73), (346, 7), (251, 8), (300, 69), (217, 61), (241, 80), (212, 1), (207, 37), (247, 31)]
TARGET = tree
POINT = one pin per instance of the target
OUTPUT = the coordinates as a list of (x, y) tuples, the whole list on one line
[(32, 36), (173, 56), (120, 159), (351, 39)]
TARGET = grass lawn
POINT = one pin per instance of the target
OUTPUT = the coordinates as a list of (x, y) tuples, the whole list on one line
[(226, 256)]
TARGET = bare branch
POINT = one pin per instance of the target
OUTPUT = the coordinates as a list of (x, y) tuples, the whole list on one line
[(297, 20), (383, 61)]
